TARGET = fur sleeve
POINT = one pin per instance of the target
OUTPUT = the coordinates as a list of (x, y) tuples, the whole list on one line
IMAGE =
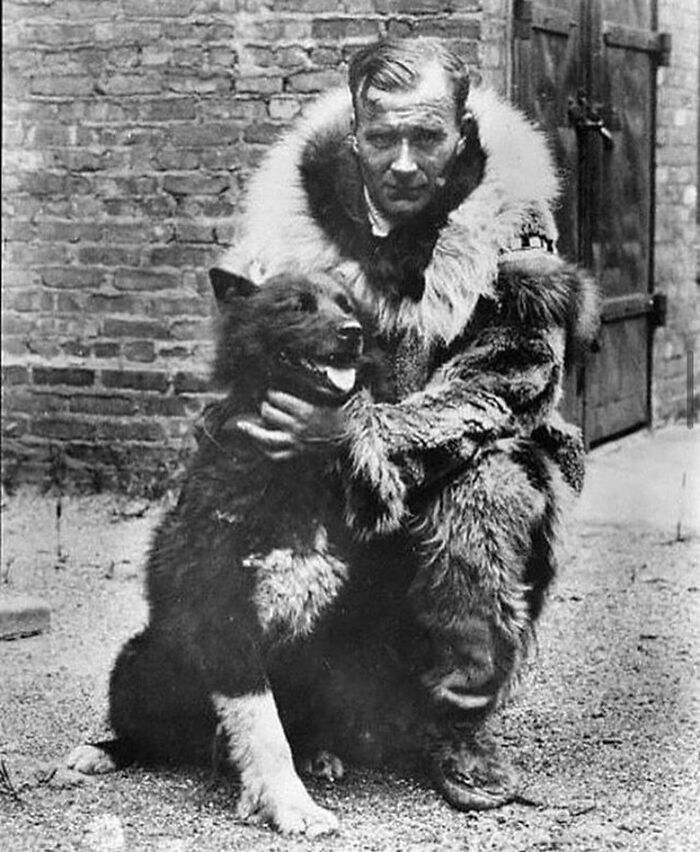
[(503, 379)]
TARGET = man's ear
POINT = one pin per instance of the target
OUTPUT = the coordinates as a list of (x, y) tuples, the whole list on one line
[(467, 130), (228, 285)]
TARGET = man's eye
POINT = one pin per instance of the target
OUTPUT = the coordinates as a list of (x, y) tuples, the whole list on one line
[(427, 138), (381, 140)]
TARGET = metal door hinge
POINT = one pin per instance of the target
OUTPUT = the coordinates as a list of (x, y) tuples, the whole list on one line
[(659, 310), (663, 48)]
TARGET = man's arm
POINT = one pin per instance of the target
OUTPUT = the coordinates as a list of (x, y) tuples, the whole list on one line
[(506, 380)]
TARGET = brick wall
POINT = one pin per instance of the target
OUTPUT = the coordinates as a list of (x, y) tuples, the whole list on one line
[(130, 127), (676, 259)]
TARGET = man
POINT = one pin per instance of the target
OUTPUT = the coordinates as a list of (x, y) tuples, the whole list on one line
[(435, 206)]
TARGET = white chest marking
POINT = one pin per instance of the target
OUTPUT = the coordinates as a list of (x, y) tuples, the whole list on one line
[(294, 587)]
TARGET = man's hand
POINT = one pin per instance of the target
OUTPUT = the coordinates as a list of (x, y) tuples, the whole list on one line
[(288, 426)]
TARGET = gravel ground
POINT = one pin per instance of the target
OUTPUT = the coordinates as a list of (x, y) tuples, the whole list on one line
[(605, 729)]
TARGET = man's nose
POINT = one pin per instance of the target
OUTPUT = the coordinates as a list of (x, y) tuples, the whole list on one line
[(404, 165)]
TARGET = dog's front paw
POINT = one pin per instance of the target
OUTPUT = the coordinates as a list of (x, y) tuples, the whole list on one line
[(90, 760), (289, 809)]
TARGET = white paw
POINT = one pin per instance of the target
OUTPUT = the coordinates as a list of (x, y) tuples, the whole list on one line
[(90, 760), (323, 764), (292, 812)]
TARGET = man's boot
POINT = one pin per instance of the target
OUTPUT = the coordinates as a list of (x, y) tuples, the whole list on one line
[(466, 765)]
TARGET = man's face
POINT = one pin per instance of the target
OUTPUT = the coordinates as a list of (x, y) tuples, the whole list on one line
[(406, 141)]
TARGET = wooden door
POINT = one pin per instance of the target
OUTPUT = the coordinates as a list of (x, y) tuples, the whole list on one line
[(585, 71)]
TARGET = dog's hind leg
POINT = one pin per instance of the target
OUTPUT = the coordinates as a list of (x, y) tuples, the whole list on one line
[(271, 790), (158, 708)]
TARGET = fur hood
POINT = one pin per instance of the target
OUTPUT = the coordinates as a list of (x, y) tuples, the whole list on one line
[(280, 233)]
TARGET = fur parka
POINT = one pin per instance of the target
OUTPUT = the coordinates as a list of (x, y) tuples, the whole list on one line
[(473, 301)]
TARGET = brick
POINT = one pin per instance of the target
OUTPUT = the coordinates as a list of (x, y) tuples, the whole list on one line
[(157, 8), (259, 85), (111, 303), (76, 349), (344, 28), (164, 406), (309, 6), (68, 231), (196, 184), (60, 34), (48, 183), (44, 346), (36, 254), (190, 383), (144, 280), (140, 350), (131, 431), (69, 302), (326, 56), (13, 324), (282, 29), (116, 406), (449, 28), (57, 86), (14, 374), (128, 33), (168, 109), (100, 255), (24, 301), (74, 376), (73, 277), (314, 81), (135, 379), (284, 109), (179, 255), (36, 403), (23, 615), (134, 328), (182, 83), (64, 428), (106, 350), (262, 134)]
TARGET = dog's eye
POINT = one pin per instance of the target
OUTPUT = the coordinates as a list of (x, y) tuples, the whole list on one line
[(305, 303), (344, 304)]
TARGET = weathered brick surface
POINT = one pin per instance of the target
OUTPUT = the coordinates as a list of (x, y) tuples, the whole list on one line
[(130, 128), (676, 271)]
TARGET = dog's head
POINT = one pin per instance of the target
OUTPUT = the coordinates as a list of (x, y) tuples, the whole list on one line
[(295, 333)]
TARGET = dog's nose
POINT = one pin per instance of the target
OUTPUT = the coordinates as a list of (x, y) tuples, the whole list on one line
[(350, 333)]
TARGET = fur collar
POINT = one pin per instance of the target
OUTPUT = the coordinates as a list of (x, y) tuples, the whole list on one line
[(279, 231)]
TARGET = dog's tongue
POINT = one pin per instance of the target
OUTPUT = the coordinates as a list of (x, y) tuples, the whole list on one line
[(343, 379)]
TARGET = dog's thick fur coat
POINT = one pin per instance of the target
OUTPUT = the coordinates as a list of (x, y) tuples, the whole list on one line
[(249, 558)]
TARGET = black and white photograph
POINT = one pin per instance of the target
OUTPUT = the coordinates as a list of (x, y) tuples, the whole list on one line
[(350, 455)]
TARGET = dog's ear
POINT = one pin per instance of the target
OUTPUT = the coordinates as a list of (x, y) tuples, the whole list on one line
[(228, 286)]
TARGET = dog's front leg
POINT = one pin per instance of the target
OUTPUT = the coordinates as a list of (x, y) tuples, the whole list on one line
[(271, 790)]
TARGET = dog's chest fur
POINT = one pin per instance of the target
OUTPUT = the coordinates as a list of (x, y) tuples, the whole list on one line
[(294, 585)]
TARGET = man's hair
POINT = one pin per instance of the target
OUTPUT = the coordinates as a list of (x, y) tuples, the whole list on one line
[(393, 64)]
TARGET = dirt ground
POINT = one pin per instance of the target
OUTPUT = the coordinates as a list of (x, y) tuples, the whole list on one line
[(605, 730)]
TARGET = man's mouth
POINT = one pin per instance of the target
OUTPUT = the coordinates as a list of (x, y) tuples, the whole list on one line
[(405, 193)]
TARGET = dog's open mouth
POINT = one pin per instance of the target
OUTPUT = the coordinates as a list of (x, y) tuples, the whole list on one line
[(335, 375)]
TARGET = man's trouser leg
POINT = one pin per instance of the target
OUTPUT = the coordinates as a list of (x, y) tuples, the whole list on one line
[(478, 591)]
